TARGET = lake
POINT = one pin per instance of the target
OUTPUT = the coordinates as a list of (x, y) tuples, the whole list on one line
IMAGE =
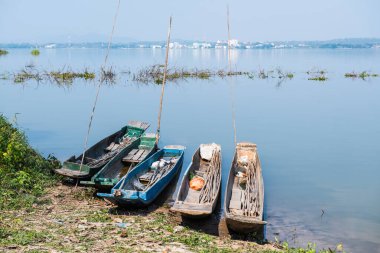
[(319, 142)]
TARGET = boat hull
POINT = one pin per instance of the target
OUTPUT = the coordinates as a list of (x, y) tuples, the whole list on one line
[(72, 166), (143, 198), (109, 175), (240, 223), (191, 209)]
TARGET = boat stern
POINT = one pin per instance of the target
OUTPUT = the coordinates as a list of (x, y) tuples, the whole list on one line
[(244, 225), (191, 210), (74, 170)]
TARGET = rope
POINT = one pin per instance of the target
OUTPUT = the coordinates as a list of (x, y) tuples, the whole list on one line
[(163, 81), (98, 88), (230, 71)]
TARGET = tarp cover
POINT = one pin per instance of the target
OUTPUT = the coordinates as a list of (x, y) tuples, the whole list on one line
[(207, 150)]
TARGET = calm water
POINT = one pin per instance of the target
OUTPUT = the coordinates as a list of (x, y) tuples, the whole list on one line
[(319, 143)]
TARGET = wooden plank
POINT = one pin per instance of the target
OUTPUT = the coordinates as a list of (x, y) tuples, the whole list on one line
[(116, 146), (150, 135), (235, 201), (146, 177), (192, 196), (144, 154), (236, 211), (137, 155), (130, 154), (235, 205), (109, 148), (138, 124)]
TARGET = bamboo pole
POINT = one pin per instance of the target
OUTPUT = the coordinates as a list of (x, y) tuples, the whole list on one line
[(163, 81), (98, 88)]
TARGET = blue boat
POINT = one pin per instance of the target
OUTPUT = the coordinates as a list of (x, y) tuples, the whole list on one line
[(147, 180)]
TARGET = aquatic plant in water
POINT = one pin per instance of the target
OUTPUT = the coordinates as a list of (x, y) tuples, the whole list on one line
[(3, 52), (155, 73), (35, 52), (67, 77), (28, 73), (362, 75), (60, 77), (317, 75), (107, 75)]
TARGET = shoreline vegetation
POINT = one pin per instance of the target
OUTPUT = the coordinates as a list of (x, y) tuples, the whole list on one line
[(154, 74), (39, 213), (24, 173)]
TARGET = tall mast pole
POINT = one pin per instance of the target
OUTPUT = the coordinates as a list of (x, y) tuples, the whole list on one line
[(163, 81)]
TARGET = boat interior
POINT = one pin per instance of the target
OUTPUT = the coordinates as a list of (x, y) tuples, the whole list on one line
[(148, 175), (246, 195), (138, 152), (207, 172)]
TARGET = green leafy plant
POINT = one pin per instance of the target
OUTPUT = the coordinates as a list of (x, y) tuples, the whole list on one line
[(317, 75), (35, 52), (3, 52), (24, 173)]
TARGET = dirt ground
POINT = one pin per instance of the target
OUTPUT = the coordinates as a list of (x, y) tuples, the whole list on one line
[(72, 219)]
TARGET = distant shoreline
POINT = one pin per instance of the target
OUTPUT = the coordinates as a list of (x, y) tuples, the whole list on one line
[(185, 44)]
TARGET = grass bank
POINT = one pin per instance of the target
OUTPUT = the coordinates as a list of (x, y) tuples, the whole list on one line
[(69, 219), (40, 214)]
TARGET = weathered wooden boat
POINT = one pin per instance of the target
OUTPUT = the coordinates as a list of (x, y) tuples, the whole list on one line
[(244, 197), (124, 162), (102, 152), (147, 180), (200, 201)]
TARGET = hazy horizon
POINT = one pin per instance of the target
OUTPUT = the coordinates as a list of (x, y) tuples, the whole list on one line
[(132, 40), (43, 21)]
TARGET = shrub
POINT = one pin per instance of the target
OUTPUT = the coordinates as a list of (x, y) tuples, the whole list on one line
[(24, 173)]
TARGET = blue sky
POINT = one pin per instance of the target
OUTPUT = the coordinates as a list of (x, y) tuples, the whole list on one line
[(91, 20)]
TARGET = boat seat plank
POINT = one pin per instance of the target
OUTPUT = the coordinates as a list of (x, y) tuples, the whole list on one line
[(130, 155), (142, 157), (144, 154), (138, 155), (139, 124)]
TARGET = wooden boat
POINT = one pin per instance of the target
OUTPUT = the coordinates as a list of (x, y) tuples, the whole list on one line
[(146, 181), (244, 197), (205, 165), (102, 152), (124, 162)]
